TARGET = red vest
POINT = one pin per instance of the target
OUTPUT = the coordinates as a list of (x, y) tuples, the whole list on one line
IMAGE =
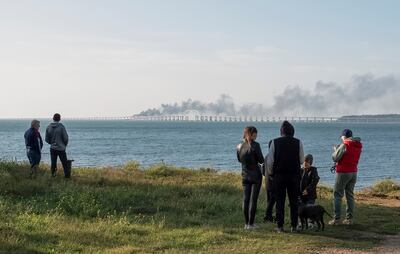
[(349, 161)]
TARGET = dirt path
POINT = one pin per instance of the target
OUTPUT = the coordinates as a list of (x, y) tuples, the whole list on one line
[(390, 244), (389, 202)]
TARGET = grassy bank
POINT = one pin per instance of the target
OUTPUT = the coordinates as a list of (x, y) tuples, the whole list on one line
[(159, 209)]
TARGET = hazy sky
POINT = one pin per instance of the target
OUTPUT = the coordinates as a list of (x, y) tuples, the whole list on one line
[(115, 58)]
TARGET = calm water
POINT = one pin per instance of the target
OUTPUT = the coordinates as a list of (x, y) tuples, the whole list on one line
[(195, 144)]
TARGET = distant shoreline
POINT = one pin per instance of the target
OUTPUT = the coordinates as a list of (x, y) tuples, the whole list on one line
[(378, 118)]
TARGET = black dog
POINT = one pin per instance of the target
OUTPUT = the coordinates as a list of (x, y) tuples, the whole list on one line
[(314, 213)]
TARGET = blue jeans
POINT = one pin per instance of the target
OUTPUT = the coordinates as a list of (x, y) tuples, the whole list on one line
[(34, 157), (344, 185)]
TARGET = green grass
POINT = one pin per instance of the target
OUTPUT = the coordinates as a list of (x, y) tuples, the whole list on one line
[(157, 209)]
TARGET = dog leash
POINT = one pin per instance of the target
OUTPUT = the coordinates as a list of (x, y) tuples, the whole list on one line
[(331, 168)]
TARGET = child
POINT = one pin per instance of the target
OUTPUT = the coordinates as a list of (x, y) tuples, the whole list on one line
[(309, 181)]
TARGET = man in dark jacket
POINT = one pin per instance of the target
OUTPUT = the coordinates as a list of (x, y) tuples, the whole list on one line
[(34, 145), (309, 181), (57, 138), (283, 165)]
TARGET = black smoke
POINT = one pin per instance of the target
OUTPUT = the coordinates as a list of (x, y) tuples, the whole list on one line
[(363, 94), (224, 105)]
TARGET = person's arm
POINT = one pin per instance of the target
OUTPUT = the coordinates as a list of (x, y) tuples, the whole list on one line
[(47, 136), (301, 154), (26, 139), (314, 181), (238, 151), (259, 155), (338, 152), (65, 136), (270, 159), (263, 169), (265, 166)]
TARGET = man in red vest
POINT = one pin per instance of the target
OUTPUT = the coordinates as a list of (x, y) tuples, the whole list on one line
[(346, 157)]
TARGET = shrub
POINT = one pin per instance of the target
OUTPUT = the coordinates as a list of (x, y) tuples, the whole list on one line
[(208, 170), (386, 186), (161, 170), (132, 166)]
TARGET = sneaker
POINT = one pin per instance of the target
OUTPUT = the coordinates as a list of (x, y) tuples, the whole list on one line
[(246, 227), (254, 226), (347, 222), (279, 230), (334, 222)]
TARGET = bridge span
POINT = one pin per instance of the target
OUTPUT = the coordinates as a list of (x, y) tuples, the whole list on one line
[(216, 118), (194, 115), (207, 118)]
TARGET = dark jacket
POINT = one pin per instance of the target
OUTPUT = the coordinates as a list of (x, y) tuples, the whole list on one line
[(309, 181), (250, 155), (286, 156), (33, 140), (56, 136)]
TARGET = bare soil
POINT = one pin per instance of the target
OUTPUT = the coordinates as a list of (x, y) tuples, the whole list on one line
[(390, 244)]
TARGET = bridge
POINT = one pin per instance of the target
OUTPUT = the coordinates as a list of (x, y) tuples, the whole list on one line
[(194, 115)]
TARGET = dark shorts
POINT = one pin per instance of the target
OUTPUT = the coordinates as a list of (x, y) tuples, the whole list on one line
[(34, 157)]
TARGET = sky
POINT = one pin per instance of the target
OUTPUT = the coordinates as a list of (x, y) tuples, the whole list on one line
[(118, 58)]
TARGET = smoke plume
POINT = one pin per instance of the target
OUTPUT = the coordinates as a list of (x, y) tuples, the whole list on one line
[(364, 94)]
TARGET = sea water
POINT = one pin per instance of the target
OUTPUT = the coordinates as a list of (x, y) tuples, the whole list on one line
[(207, 144)]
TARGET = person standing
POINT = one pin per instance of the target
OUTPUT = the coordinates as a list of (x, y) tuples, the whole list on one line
[(346, 158), (57, 138), (249, 154), (283, 164), (271, 200), (34, 145)]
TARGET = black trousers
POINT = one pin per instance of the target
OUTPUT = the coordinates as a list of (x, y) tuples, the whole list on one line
[(271, 200), (63, 158), (251, 190), (291, 185)]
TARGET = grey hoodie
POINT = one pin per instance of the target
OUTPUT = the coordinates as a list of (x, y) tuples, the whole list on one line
[(56, 136), (340, 150)]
